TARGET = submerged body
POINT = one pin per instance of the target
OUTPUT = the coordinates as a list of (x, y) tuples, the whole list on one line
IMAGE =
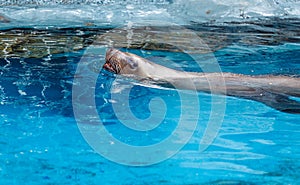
[(273, 91)]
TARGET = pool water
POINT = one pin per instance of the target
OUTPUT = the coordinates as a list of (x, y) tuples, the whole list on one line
[(40, 137)]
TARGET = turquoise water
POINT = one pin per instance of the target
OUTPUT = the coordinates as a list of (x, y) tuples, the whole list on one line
[(41, 143), (43, 45)]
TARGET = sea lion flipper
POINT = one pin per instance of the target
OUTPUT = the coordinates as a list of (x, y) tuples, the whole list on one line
[(279, 102)]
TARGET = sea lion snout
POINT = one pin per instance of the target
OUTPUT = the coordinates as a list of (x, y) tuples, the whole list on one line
[(112, 61)]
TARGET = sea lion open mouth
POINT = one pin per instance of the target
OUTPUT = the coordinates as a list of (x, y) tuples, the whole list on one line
[(107, 66)]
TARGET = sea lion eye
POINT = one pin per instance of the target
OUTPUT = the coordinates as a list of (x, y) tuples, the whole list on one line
[(132, 64)]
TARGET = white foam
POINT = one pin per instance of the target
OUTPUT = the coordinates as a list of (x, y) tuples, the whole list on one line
[(70, 13)]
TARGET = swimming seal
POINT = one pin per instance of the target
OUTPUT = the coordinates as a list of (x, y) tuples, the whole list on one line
[(273, 91)]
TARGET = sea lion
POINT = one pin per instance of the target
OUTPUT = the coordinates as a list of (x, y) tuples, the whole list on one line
[(273, 91)]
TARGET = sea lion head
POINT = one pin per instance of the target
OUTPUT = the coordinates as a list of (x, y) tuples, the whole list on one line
[(123, 63)]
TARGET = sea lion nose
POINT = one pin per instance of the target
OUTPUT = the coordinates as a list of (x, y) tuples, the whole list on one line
[(110, 52)]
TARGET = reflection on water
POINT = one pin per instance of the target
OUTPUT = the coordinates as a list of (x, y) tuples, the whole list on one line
[(38, 43)]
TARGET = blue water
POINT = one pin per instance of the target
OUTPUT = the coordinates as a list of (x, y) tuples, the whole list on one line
[(40, 142)]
